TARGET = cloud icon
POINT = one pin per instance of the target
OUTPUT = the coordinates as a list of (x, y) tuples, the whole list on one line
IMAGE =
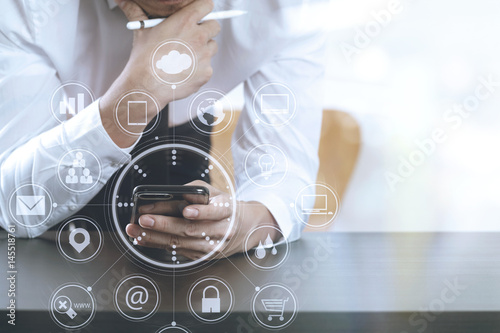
[(174, 62)]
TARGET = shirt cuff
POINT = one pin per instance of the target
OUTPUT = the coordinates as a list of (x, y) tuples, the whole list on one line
[(85, 130), (290, 226)]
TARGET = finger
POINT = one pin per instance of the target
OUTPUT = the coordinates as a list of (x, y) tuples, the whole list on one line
[(169, 207), (190, 248), (131, 10), (195, 198), (166, 241), (212, 47), (213, 211), (212, 27), (195, 11), (168, 224), (184, 228)]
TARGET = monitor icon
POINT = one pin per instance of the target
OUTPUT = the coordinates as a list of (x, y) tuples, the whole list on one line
[(309, 206), (275, 103), (137, 112)]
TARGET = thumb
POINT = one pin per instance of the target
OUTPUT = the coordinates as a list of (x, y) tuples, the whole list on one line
[(131, 10)]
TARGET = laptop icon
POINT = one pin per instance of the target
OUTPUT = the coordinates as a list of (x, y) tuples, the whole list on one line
[(309, 206), (275, 103)]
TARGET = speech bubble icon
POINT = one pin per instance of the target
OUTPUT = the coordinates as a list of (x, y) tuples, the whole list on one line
[(86, 239)]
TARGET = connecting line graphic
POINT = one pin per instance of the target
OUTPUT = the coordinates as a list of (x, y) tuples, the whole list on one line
[(246, 277), (237, 140), (84, 205), (173, 114), (173, 296), (107, 270)]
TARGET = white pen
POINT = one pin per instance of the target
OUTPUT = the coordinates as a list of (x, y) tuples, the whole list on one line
[(136, 25)]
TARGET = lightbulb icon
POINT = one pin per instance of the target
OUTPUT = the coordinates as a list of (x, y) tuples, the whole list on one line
[(266, 163)]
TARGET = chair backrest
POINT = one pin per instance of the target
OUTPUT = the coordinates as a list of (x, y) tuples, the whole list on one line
[(338, 151)]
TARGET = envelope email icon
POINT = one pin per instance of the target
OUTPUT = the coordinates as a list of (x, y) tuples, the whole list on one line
[(30, 205)]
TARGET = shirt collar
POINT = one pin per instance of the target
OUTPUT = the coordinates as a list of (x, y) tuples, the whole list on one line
[(112, 4)]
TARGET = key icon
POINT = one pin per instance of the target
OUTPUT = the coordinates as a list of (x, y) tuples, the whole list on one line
[(62, 305)]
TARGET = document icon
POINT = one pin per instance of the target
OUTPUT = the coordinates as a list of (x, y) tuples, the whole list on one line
[(137, 112), (30, 205)]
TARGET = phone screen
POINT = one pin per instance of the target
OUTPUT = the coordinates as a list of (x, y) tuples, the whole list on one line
[(166, 200)]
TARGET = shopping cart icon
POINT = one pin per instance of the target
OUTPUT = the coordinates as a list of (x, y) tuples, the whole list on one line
[(275, 305)]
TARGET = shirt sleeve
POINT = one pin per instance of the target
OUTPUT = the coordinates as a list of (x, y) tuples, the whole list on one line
[(299, 66), (32, 141)]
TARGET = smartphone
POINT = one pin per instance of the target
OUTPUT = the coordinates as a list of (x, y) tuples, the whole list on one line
[(168, 200)]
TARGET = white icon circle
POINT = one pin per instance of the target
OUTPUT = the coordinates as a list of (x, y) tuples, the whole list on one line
[(137, 297), (75, 246), (266, 165), (79, 170), (210, 305), (274, 104), (318, 201), (30, 203), (72, 306), (267, 255), (171, 66), (136, 104), (211, 108), (69, 99), (274, 306)]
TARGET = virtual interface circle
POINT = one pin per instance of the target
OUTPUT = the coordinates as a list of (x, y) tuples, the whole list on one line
[(274, 306), (317, 205), (137, 297), (266, 165), (72, 306), (79, 170), (165, 164), (211, 299), (79, 239), (268, 254), (173, 62), (31, 205), (70, 99), (135, 105), (213, 110), (274, 104)]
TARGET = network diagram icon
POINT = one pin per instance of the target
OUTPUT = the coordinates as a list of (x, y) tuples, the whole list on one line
[(79, 170)]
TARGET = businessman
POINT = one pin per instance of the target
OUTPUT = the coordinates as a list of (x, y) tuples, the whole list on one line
[(86, 41)]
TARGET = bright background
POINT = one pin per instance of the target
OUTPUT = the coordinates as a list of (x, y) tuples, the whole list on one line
[(398, 86)]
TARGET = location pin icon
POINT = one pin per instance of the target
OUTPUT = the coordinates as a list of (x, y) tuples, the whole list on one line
[(86, 239)]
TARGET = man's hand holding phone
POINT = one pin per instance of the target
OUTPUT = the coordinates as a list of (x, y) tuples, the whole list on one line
[(188, 233), (163, 228)]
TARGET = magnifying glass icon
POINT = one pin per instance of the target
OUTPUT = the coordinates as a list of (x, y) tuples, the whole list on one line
[(62, 305)]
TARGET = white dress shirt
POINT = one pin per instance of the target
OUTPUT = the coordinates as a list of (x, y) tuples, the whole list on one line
[(46, 44)]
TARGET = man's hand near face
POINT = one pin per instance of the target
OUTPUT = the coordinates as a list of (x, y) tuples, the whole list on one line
[(137, 74), (188, 233)]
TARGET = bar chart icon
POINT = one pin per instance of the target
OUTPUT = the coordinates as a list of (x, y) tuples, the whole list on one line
[(72, 105), (69, 99)]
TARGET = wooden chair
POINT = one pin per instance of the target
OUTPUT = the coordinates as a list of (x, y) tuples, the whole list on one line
[(338, 151)]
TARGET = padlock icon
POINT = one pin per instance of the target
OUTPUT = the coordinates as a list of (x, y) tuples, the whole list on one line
[(210, 305)]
